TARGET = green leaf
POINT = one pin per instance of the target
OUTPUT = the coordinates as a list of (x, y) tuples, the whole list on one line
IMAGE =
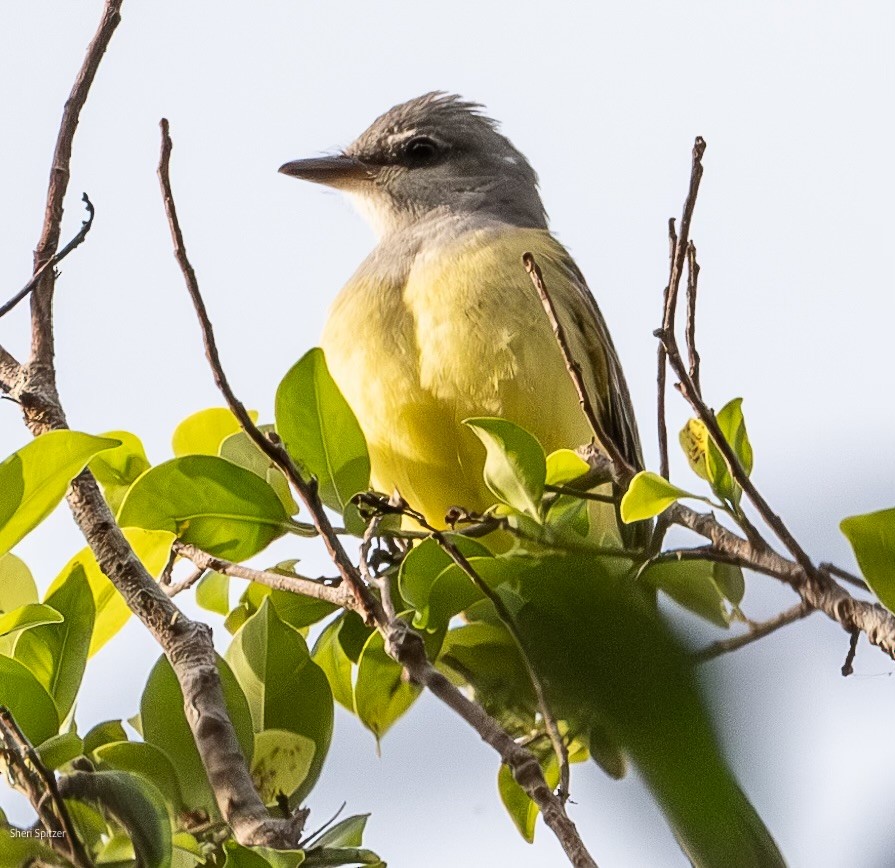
[(28, 701), (348, 833), (152, 547), (57, 653), (872, 536), (213, 593), (281, 763), (35, 478), (321, 432), (60, 749), (139, 807), (30, 615), (116, 469), (17, 587), (164, 725), (242, 450), (648, 495), (381, 692), (331, 857), (329, 655), (147, 762), (426, 566), (565, 466), (284, 687), (242, 857), (104, 733), (706, 458), (209, 502), (522, 810), (515, 466), (691, 584), (19, 850), (203, 432)]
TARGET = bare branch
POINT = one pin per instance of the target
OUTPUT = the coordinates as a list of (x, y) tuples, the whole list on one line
[(847, 667), (662, 368), (32, 778), (755, 632), (42, 297), (55, 260), (401, 642), (335, 594), (690, 328), (622, 470)]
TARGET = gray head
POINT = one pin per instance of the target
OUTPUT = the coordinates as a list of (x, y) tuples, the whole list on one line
[(435, 153)]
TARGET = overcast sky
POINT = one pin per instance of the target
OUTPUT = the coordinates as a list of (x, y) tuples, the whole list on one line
[(794, 228)]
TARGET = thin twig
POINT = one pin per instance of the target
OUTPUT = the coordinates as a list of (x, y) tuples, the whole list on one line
[(581, 494), (755, 632), (557, 741), (622, 470), (39, 785), (328, 593), (848, 667), (42, 297), (690, 328), (401, 642), (662, 369), (844, 575), (54, 261), (307, 490)]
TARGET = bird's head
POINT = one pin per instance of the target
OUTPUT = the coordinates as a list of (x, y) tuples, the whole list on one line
[(435, 153)]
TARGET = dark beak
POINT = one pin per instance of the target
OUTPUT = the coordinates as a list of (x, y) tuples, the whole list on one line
[(339, 170)]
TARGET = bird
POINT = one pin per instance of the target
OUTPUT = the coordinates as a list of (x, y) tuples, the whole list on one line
[(441, 322)]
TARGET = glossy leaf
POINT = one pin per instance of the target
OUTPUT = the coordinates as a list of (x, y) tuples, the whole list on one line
[(648, 495), (565, 466), (321, 432), (164, 725), (17, 586), (209, 502), (381, 692), (348, 833), (213, 593), (57, 653), (60, 749), (104, 733), (146, 761), (203, 432), (515, 465), (872, 536), (242, 450), (30, 615), (28, 701), (139, 807), (152, 547), (284, 687), (522, 810), (281, 763), (116, 468), (332, 857), (35, 478), (691, 584), (329, 655), (242, 857)]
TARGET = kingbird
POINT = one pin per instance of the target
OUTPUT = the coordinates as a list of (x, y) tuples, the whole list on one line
[(441, 321)]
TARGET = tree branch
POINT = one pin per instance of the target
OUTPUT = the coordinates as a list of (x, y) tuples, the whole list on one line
[(401, 643), (42, 297), (755, 632), (32, 778)]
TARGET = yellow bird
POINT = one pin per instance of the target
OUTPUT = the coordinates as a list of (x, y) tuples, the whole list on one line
[(441, 322)]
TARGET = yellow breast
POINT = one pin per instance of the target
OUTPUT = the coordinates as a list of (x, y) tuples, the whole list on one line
[(456, 330)]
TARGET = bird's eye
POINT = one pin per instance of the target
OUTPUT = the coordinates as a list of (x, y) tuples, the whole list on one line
[(420, 150)]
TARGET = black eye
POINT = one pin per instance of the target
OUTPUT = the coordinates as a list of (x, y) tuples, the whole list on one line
[(420, 150)]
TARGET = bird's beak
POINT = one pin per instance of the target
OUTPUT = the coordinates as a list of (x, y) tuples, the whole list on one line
[(339, 170)]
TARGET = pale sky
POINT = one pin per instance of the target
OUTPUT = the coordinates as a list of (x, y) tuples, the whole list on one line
[(793, 226)]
